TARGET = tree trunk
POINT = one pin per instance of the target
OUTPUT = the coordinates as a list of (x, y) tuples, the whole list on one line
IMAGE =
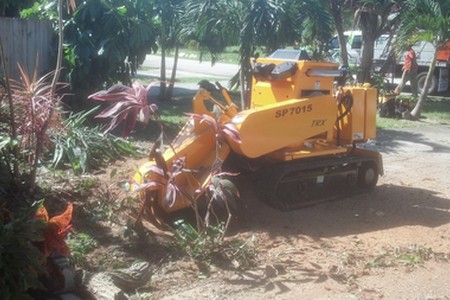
[(366, 60), (417, 110), (336, 11), (162, 77), (369, 24), (173, 77), (162, 90), (242, 86), (59, 57), (40, 136), (245, 81)]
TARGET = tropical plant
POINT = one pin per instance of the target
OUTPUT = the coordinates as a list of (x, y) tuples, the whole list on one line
[(425, 20), (86, 147), (105, 43), (80, 245), (216, 24), (221, 130), (267, 24), (198, 244), (217, 188), (130, 105), (34, 105)]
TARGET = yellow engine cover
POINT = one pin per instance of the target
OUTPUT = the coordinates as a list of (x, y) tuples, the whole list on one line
[(272, 127), (360, 124)]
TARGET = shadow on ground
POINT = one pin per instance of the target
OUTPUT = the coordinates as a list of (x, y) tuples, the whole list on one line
[(396, 141), (388, 206)]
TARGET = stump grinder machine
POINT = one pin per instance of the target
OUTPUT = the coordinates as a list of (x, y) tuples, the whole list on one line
[(301, 138)]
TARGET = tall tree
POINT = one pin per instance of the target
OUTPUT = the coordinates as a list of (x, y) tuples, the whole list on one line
[(214, 24), (258, 24), (425, 20), (169, 14), (106, 41), (374, 17)]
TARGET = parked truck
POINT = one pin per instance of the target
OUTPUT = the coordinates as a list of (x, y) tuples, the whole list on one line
[(424, 53)]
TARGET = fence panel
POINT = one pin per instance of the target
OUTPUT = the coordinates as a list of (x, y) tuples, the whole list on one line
[(28, 42)]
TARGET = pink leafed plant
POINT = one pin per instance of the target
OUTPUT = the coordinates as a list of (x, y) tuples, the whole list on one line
[(129, 106)]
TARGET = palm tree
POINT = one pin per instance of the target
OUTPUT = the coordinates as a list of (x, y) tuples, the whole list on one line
[(214, 24), (425, 20), (257, 24), (374, 17)]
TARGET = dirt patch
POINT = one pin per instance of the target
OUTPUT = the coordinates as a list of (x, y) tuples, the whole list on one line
[(392, 243)]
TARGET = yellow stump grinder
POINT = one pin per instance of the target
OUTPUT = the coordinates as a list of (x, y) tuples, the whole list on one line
[(300, 138)]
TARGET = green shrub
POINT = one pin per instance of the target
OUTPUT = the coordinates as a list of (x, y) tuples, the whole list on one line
[(21, 262), (86, 148)]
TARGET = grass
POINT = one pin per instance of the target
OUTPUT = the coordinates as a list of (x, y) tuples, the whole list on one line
[(437, 109), (80, 244)]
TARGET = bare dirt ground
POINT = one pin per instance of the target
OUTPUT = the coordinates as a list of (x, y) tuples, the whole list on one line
[(392, 243)]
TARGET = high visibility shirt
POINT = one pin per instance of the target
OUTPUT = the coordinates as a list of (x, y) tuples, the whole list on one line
[(410, 63)]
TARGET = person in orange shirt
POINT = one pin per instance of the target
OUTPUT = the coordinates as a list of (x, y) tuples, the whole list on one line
[(409, 72)]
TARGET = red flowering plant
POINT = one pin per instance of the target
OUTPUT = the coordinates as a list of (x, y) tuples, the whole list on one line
[(54, 248), (56, 231)]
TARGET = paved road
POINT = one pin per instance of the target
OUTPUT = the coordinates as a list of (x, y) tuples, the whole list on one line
[(187, 68)]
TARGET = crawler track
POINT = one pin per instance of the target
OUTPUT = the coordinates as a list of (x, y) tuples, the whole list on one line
[(296, 184)]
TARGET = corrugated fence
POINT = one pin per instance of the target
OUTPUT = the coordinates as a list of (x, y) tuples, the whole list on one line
[(28, 42)]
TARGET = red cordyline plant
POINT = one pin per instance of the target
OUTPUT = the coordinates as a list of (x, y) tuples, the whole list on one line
[(129, 105), (172, 190), (217, 188), (35, 105), (168, 178), (221, 130)]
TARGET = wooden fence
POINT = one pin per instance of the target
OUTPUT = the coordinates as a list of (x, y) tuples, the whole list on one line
[(28, 42)]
